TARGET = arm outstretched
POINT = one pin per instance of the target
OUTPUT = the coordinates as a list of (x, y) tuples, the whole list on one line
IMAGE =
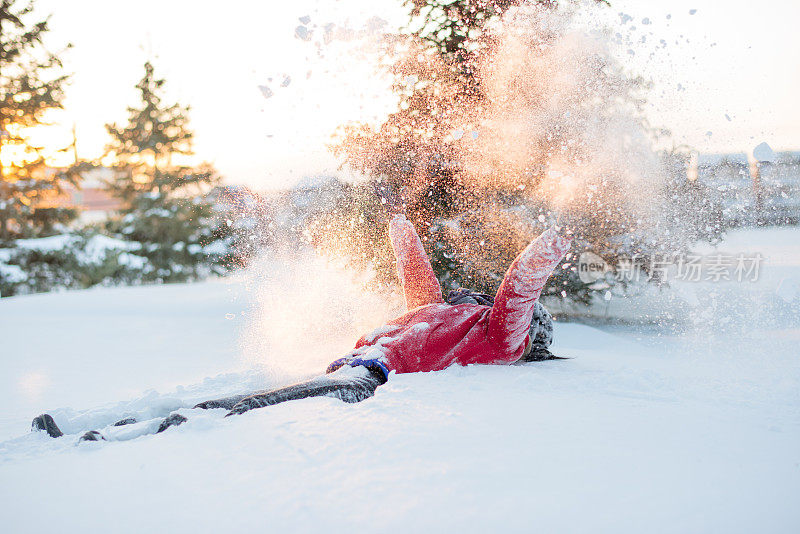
[(413, 267), (511, 315)]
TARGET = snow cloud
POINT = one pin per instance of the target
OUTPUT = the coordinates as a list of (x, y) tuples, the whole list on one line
[(308, 313)]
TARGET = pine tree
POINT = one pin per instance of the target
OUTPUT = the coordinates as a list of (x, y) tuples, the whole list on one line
[(477, 204), (414, 164), (164, 207), (31, 85)]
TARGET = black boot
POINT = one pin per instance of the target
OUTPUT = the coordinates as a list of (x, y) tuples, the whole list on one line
[(92, 435), (174, 419), (45, 422)]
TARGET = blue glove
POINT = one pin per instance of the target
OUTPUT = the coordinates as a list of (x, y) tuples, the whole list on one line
[(377, 367)]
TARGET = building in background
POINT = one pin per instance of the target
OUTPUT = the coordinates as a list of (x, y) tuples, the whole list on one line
[(90, 198), (752, 192)]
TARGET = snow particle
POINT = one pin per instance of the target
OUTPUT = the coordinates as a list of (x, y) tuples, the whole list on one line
[(266, 91), (763, 152), (692, 11)]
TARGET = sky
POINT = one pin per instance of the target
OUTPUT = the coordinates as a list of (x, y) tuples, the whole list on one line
[(727, 79)]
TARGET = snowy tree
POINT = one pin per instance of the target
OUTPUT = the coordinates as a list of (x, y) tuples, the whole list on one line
[(164, 204), (31, 85), (511, 117)]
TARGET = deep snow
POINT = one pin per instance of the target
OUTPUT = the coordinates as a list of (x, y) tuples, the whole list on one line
[(643, 430)]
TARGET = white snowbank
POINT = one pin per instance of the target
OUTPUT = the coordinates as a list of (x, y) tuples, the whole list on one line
[(12, 273), (638, 432), (46, 244), (93, 251)]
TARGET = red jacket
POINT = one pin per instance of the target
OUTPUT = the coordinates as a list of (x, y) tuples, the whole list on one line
[(433, 335)]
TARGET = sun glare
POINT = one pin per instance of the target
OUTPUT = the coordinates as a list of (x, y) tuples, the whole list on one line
[(52, 141)]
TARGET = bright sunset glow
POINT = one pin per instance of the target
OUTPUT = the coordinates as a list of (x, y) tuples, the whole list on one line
[(700, 76)]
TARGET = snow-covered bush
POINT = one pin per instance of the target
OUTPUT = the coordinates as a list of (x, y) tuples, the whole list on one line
[(85, 259), (68, 261), (182, 239)]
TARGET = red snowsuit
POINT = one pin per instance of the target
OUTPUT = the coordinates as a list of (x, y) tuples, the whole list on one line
[(433, 335)]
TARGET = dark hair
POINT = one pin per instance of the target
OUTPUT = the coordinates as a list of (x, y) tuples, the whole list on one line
[(463, 295)]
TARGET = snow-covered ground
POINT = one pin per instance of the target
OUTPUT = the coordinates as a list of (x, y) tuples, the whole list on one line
[(648, 430), (715, 299)]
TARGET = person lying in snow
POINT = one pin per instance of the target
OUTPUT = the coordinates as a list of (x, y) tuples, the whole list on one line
[(467, 328), (434, 334)]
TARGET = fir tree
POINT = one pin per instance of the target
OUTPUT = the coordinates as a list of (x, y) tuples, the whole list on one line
[(415, 166), (31, 84), (476, 205), (164, 207)]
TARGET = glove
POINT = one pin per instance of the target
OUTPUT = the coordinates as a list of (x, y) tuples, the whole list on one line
[(375, 366)]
